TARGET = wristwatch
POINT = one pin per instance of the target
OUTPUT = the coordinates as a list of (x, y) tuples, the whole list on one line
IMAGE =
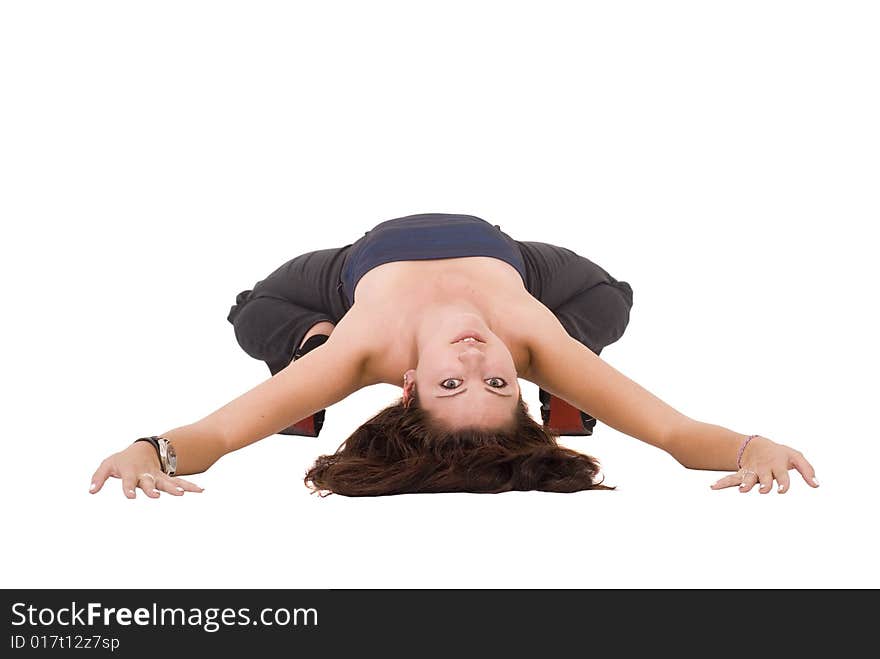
[(165, 451)]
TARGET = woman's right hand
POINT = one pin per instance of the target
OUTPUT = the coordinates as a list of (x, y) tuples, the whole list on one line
[(138, 466)]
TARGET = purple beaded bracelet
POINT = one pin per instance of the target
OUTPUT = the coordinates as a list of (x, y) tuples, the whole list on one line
[(739, 456)]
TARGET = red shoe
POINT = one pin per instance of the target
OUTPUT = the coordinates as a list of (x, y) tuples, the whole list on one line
[(311, 425), (308, 427), (563, 418)]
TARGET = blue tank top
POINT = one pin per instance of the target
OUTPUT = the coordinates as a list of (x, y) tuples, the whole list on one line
[(427, 236)]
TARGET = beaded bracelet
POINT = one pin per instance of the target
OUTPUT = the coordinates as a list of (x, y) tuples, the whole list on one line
[(742, 449)]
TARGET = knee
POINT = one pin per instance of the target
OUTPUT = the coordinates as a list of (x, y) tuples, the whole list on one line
[(612, 310), (625, 290), (240, 300), (244, 318), (259, 324)]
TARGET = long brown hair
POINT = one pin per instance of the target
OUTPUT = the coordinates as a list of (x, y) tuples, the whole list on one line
[(403, 450)]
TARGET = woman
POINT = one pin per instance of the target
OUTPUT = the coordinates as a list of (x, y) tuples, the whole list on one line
[(454, 311)]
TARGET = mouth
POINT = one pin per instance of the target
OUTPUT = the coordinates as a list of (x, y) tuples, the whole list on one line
[(469, 337)]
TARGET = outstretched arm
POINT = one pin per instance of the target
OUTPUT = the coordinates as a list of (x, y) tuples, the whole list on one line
[(566, 368), (313, 382)]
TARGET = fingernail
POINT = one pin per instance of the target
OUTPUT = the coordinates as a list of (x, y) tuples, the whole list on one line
[(131, 491), (92, 487), (179, 489), (156, 492), (780, 488), (815, 482)]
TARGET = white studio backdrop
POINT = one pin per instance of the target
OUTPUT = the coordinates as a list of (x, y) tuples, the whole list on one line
[(158, 158)]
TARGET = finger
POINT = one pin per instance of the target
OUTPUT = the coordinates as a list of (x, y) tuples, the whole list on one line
[(783, 480), (100, 476), (749, 479), (799, 462), (766, 480), (187, 486), (129, 482), (147, 483), (166, 484), (728, 481)]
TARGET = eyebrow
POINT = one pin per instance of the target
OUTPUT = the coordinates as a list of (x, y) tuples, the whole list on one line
[(489, 389)]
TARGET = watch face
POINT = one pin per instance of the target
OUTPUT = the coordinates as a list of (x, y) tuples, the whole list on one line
[(172, 457), (167, 456)]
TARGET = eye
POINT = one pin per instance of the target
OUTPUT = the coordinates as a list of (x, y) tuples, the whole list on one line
[(495, 383)]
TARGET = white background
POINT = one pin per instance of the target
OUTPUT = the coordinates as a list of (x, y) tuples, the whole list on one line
[(158, 158)]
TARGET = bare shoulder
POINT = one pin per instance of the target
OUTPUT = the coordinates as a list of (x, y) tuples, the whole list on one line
[(532, 326), (349, 345)]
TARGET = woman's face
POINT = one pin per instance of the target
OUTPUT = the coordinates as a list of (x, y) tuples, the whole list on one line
[(466, 375)]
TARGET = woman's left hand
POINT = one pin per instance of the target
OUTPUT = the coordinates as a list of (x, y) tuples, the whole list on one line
[(762, 462)]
